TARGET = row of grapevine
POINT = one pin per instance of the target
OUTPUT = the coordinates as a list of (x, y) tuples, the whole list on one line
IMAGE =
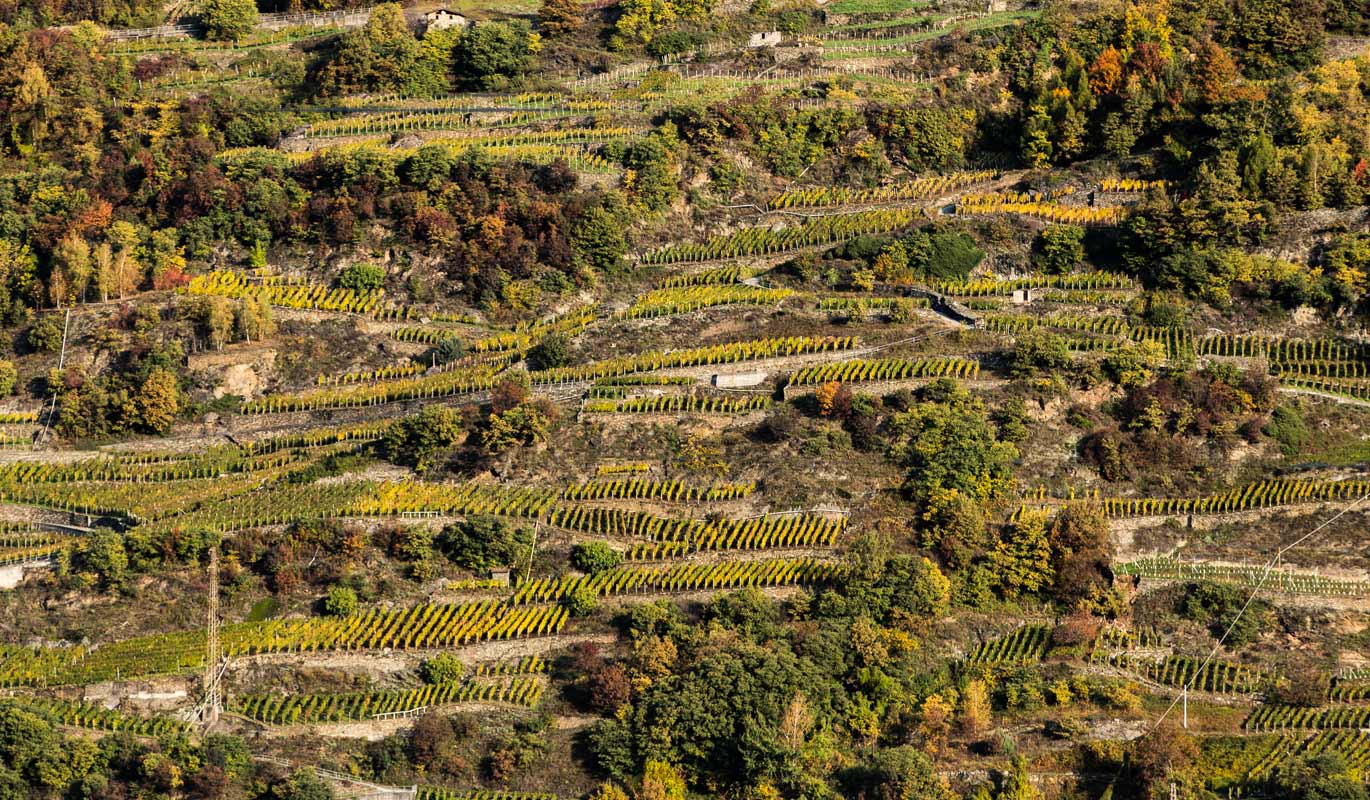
[(886, 369), (631, 578), (388, 372), (395, 121), (1277, 717), (621, 469), (422, 387), (1219, 677), (679, 404), (1113, 638), (1129, 185), (526, 665), (439, 793), (1349, 371), (1087, 298), (423, 626), (1352, 746), (1351, 389), (1279, 349), (732, 273), (1077, 281), (211, 464), (85, 715), (350, 706), (22, 553), (672, 491), (235, 284), (682, 300), (764, 240), (869, 305), (646, 380), (1025, 645), (1046, 211), (1278, 580), (389, 498), (1090, 323), (574, 155), (796, 530), (1347, 692), (425, 334), (18, 417), (730, 353), (917, 189), (1265, 494)]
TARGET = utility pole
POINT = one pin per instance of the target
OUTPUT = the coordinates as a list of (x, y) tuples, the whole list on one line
[(212, 701), (1184, 696)]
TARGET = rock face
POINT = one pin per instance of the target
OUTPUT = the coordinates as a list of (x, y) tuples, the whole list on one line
[(239, 379), (244, 372)]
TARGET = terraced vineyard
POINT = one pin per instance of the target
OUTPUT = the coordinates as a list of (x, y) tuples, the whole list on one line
[(352, 706), (1026, 645)]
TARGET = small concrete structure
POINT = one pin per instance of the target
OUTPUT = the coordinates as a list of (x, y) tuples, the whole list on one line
[(739, 380), (11, 575), (1022, 297), (442, 19), (765, 39), (500, 576)]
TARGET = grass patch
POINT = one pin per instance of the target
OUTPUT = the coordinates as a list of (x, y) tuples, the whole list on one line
[(264, 609), (875, 6)]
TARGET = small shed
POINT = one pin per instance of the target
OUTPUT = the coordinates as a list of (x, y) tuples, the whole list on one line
[(1022, 297), (500, 576), (442, 19), (765, 39)]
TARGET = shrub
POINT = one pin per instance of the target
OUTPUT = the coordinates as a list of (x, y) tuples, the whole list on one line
[(593, 557), (228, 20), (1058, 248), (362, 278), (9, 377), (45, 335), (1287, 427), (552, 352), (442, 668), (340, 602), (483, 542), (580, 602)]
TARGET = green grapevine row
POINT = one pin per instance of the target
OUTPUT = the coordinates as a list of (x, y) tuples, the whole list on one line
[(439, 793), (682, 300), (868, 305), (1266, 494), (85, 715), (758, 532), (765, 240), (990, 287), (732, 273), (1164, 568), (673, 491), (1023, 646), (323, 708), (1344, 692), (679, 403), (423, 626), (1277, 717), (918, 189), (527, 665), (681, 578), (620, 469), (730, 353), (886, 369), (1219, 677)]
